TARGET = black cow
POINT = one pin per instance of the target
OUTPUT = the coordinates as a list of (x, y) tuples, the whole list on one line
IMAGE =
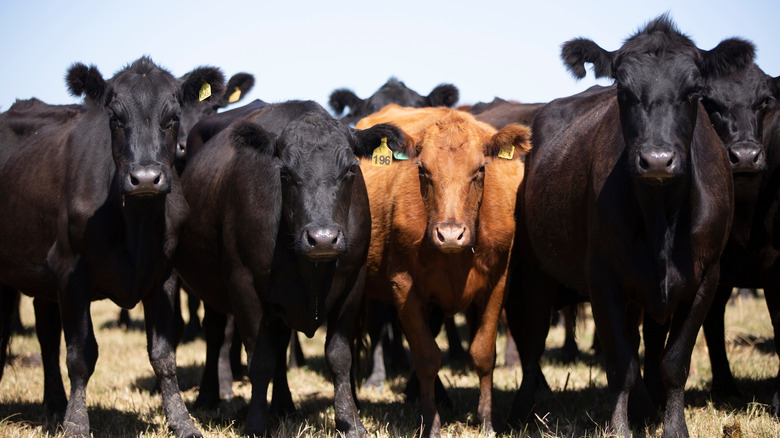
[(393, 91), (282, 238), (91, 210), (628, 200), (500, 112), (737, 105)]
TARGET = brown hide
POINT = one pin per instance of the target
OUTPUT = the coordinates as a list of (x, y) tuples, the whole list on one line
[(463, 183)]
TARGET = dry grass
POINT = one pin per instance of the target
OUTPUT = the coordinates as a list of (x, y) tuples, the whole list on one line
[(121, 403)]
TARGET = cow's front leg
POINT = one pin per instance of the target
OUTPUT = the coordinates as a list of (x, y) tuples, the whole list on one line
[(159, 317), (483, 351), (676, 360), (82, 350), (48, 328), (338, 357), (426, 356)]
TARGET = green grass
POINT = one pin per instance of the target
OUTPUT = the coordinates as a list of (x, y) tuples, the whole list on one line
[(121, 402)]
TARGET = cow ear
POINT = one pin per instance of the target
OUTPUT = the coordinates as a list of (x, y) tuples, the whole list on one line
[(87, 81), (247, 134), (730, 55), (511, 142), (444, 95), (237, 87), (342, 98), (196, 80), (776, 87), (577, 52), (370, 139)]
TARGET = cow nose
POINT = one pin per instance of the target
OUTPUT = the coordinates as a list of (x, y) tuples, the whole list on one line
[(658, 163), (451, 237), (323, 243), (147, 181), (746, 157)]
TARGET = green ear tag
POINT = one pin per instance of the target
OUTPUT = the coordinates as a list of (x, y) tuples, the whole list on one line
[(382, 156), (398, 155), (506, 152), (205, 92), (234, 96)]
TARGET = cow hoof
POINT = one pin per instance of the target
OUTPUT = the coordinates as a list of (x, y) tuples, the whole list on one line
[(72, 429)]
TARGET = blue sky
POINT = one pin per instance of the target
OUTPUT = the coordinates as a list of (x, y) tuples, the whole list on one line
[(306, 49)]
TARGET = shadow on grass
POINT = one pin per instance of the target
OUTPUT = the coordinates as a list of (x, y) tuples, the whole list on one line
[(102, 421)]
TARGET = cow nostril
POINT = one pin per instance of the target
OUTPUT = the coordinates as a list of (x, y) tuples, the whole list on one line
[(643, 164), (462, 233), (310, 240), (733, 158), (133, 180), (670, 162), (157, 180)]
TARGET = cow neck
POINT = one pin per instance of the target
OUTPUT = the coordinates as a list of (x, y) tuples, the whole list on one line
[(662, 211), (746, 194)]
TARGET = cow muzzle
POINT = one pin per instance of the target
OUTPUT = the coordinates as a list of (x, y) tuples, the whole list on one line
[(451, 237), (746, 157), (147, 181), (657, 164), (322, 243)]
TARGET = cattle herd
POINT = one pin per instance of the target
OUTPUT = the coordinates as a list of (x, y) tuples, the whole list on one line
[(650, 199)]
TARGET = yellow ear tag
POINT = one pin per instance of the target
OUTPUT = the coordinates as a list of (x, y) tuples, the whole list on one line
[(506, 152), (205, 92), (382, 156), (234, 96)]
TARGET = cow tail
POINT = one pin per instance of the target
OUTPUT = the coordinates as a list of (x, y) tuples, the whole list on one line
[(9, 305)]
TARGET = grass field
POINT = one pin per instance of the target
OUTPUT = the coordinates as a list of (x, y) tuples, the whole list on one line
[(121, 403)]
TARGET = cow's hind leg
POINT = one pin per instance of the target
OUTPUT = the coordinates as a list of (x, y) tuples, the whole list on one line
[(723, 383), (48, 328)]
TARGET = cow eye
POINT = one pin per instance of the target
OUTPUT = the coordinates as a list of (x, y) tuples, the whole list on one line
[(115, 123), (172, 123), (767, 103), (480, 173), (625, 96)]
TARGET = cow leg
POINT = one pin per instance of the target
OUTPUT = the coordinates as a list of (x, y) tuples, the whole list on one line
[(281, 398), (426, 356), (48, 328), (570, 351), (379, 325), (675, 364), (236, 366), (338, 357), (483, 352), (296, 353), (529, 308), (193, 328), (456, 355), (723, 383), (609, 314), (82, 349), (159, 316), (214, 332), (224, 369)]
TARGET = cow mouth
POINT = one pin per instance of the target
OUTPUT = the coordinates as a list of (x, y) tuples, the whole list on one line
[(322, 257)]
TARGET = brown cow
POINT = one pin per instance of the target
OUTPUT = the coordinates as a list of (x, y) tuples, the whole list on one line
[(442, 228)]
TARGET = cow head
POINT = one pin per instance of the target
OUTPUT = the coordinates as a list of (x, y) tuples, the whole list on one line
[(659, 77), (394, 91), (452, 155), (737, 102), (317, 161), (237, 87), (142, 105)]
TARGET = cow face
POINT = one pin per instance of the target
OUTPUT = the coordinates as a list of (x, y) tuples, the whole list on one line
[(452, 158), (737, 104), (659, 77), (317, 154), (393, 91), (142, 105), (237, 87)]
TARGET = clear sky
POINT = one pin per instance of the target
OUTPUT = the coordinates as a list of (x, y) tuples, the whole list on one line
[(306, 49)]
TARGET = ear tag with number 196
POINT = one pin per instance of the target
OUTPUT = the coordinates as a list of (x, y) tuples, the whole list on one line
[(382, 156)]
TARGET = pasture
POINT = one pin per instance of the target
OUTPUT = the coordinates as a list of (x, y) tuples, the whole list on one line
[(121, 402)]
